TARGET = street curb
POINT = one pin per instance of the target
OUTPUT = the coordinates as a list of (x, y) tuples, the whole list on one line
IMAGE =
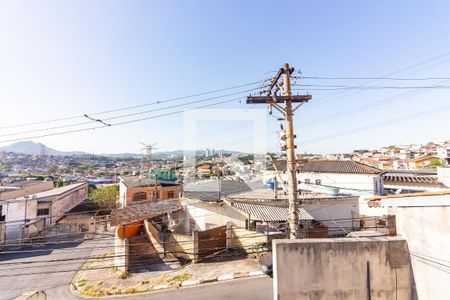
[(190, 282), (161, 287), (255, 273), (223, 277)]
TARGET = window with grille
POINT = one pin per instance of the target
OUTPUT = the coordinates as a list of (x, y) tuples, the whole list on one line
[(139, 196), (43, 212), (170, 195)]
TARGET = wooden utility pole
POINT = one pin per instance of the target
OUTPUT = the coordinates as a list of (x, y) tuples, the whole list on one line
[(273, 100)]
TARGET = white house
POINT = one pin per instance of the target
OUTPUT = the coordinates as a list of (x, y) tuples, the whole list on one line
[(38, 210)]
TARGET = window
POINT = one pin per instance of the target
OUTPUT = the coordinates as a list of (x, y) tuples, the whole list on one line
[(139, 196), (318, 181), (170, 195), (307, 181), (299, 181), (43, 212)]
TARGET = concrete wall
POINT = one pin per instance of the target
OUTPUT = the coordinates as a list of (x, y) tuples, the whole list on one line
[(121, 251), (427, 230), (343, 268), (2, 233), (66, 202)]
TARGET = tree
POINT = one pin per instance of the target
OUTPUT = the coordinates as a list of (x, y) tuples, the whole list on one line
[(435, 163), (105, 197), (60, 183)]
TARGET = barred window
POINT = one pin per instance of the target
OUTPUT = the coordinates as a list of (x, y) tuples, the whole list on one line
[(43, 212)]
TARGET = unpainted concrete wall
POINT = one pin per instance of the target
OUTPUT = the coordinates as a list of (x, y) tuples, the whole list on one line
[(343, 268), (427, 230), (121, 254)]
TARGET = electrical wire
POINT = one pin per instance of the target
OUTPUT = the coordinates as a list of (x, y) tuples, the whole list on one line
[(119, 123), (372, 78), (127, 115), (132, 107)]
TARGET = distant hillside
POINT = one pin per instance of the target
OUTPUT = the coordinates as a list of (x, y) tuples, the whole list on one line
[(30, 147)]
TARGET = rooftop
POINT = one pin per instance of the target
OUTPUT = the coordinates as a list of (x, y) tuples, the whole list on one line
[(339, 166), (9, 186), (209, 190), (269, 213), (404, 177), (52, 193), (140, 212), (138, 181), (423, 194)]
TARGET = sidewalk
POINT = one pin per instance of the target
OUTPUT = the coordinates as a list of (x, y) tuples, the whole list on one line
[(98, 277)]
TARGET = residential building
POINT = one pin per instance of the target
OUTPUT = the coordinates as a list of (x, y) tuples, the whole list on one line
[(15, 189), (30, 214), (422, 162), (336, 177), (135, 189)]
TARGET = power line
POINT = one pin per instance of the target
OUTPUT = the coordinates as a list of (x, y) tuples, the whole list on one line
[(372, 78), (439, 59), (125, 115), (133, 107), (365, 87), (119, 123), (380, 124)]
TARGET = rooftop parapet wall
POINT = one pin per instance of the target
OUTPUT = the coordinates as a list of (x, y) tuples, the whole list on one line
[(344, 268)]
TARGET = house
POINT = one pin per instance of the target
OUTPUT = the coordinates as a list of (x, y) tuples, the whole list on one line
[(135, 189), (204, 170), (423, 162), (336, 177), (339, 215), (29, 214), (20, 188), (348, 176)]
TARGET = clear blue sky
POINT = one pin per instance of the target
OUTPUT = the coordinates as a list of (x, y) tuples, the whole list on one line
[(65, 58)]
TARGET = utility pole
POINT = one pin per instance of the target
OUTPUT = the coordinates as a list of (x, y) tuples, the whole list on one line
[(273, 100)]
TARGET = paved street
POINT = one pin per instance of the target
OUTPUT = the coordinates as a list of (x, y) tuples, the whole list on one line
[(245, 289), (18, 275)]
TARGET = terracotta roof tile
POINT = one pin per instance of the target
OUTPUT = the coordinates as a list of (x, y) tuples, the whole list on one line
[(339, 166)]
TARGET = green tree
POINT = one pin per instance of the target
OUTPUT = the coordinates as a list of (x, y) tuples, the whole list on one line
[(105, 197), (60, 183), (435, 163)]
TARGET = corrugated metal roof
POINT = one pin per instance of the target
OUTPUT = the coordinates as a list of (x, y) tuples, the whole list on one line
[(399, 177), (339, 166), (269, 213)]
